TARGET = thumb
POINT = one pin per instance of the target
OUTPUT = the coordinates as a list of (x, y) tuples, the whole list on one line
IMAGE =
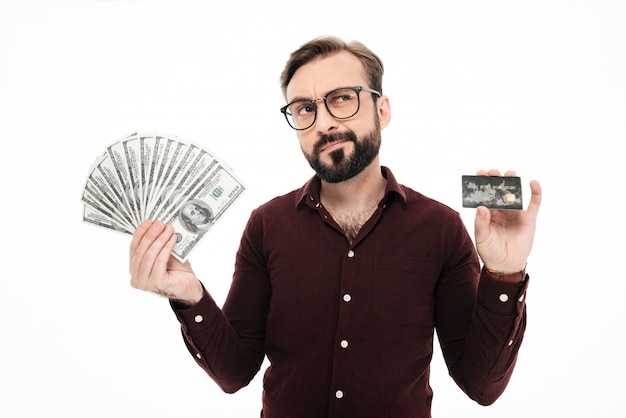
[(481, 224)]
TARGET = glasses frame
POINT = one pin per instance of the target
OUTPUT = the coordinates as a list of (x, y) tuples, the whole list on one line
[(356, 89)]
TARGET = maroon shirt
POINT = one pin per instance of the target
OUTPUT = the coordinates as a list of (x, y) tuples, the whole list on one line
[(348, 328)]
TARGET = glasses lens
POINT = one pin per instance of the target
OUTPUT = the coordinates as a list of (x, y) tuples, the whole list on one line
[(343, 103), (301, 114)]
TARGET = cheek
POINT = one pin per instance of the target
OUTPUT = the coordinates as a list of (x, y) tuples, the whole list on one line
[(306, 142)]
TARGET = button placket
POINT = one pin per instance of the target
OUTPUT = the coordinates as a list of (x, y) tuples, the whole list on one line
[(343, 342), (346, 296)]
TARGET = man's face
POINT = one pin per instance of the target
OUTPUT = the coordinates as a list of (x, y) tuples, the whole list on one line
[(194, 214), (344, 164), (337, 149)]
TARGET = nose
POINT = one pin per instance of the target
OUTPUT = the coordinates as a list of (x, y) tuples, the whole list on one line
[(324, 121)]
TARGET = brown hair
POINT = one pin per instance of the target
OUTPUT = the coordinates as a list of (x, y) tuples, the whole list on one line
[(327, 45)]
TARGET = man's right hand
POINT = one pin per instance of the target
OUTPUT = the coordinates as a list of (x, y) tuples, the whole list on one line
[(154, 269)]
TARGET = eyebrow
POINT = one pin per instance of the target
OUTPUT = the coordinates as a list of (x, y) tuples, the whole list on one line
[(300, 98), (308, 98)]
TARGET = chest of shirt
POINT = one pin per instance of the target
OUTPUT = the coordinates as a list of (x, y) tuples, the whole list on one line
[(382, 283)]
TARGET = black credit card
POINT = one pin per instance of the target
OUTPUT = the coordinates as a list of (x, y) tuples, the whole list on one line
[(493, 192)]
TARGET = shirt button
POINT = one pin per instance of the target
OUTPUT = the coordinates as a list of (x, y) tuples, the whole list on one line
[(521, 298), (198, 318), (510, 343), (198, 355), (339, 394), (350, 254), (347, 297), (344, 344), (504, 297)]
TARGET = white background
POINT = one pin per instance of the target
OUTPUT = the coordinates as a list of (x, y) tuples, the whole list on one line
[(535, 86)]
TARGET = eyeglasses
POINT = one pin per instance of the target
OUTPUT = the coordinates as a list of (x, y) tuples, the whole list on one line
[(341, 103)]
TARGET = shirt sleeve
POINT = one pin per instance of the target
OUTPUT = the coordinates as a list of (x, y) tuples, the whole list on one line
[(496, 335), (480, 325), (228, 343)]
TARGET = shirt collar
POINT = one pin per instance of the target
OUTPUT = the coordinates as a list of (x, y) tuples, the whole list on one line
[(310, 192)]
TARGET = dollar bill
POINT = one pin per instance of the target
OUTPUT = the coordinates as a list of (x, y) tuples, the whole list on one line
[(98, 203), (172, 155), (196, 213), (101, 184), (116, 153), (134, 186), (160, 177), (104, 219)]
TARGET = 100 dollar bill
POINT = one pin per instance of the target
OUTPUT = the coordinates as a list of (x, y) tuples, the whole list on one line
[(151, 176), (204, 206)]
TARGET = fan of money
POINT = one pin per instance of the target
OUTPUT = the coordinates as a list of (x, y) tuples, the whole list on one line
[(159, 177)]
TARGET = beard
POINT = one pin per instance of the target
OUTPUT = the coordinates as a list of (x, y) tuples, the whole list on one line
[(343, 167)]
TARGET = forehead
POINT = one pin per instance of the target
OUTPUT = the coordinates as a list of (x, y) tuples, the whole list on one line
[(321, 75)]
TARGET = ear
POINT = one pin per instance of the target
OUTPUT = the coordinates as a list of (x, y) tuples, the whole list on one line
[(384, 111)]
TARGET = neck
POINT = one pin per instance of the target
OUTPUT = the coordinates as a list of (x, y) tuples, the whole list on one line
[(363, 190), (351, 203)]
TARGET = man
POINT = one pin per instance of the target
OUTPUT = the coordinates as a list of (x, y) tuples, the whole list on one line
[(341, 283), (195, 216)]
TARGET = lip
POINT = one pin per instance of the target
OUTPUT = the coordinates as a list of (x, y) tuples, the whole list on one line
[(333, 146)]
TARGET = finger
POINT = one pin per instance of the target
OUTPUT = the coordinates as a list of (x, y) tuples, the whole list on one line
[(175, 264), (163, 257), (147, 252), (159, 255), (153, 231), (481, 224), (535, 198), (494, 172), (137, 236), (145, 235)]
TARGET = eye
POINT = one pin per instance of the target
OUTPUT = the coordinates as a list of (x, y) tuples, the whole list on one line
[(345, 98), (302, 108), (341, 97), (306, 109)]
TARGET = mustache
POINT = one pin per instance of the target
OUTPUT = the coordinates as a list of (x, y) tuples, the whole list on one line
[(329, 138)]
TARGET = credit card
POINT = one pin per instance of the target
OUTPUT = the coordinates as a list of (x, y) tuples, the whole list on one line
[(493, 192)]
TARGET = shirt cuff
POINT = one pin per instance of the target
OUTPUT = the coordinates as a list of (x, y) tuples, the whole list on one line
[(505, 298), (198, 316)]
